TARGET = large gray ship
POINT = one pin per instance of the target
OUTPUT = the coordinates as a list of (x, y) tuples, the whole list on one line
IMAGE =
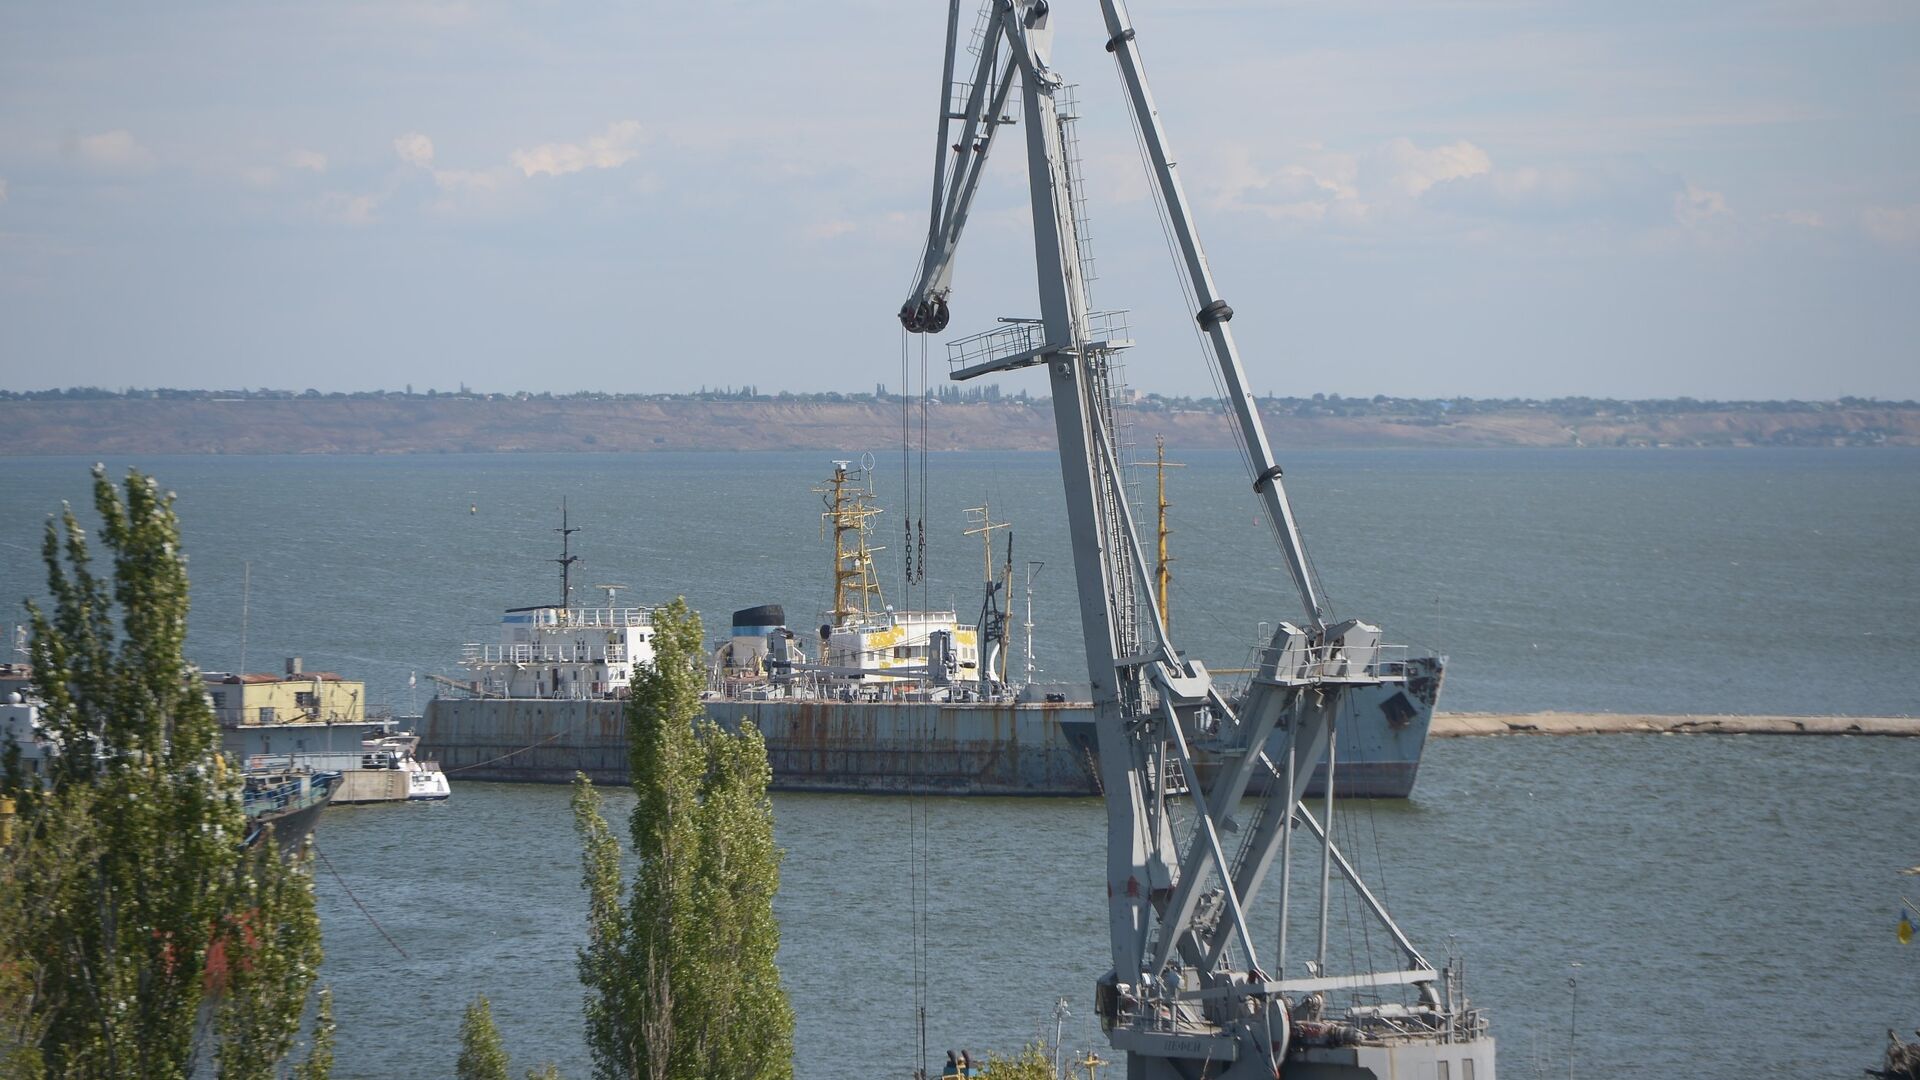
[(873, 700)]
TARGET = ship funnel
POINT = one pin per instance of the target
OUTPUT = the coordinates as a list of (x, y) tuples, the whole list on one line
[(751, 629)]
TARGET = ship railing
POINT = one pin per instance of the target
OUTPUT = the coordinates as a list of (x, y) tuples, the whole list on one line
[(606, 617), (269, 799), (1401, 1023), (529, 653), (1326, 663), (277, 797), (340, 761)]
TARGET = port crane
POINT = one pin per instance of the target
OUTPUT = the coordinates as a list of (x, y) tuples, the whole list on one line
[(1189, 995)]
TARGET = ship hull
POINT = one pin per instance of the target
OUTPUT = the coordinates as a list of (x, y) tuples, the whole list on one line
[(1026, 749), (1380, 734), (292, 819), (823, 746), (291, 828), (920, 747)]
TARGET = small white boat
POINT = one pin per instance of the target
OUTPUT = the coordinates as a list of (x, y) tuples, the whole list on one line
[(425, 781)]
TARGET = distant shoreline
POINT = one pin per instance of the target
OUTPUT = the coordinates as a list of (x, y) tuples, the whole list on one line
[(400, 424)]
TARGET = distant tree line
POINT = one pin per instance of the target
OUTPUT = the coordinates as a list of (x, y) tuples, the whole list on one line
[(1432, 410)]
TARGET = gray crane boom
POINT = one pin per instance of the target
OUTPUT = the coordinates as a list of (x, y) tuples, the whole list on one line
[(1214, 314), (957, 169), (957, 166)]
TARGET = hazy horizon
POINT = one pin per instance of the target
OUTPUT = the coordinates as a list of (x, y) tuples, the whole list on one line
[(970, 392)]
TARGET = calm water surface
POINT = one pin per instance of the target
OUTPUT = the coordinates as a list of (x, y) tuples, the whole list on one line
[(1722, 896), (1729, 902)]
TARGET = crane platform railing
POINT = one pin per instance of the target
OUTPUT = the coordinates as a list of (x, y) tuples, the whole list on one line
[(1021, 342)]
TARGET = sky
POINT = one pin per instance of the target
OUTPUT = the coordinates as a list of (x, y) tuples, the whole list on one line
[(1487, 198)]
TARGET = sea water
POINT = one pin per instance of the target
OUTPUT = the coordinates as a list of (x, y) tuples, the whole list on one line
[(1639, 905)]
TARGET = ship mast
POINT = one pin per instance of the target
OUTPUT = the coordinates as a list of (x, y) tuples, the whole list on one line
[(849, 513), (567, 558), (1033, 570), (993, 626), (1163, 566)]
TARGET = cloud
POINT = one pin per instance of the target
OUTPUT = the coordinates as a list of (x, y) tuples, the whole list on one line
[(349, 209), (610, 150), (499, 187), (461, 190), (827, 230), (312, 160), (1323, 184), (1624, 192), (116, 151), (1894, 226), (1401, 182), (1417, 170), (1695, 207), (414, 149), (1319, 184), (477, 181), (3, 189)]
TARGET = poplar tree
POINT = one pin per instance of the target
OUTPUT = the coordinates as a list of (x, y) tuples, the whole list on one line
[(681, 978), (483, 1056), (156, 933), (1031, 1063)]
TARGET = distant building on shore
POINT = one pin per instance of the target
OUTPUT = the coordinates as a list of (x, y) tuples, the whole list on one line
[(296, 712)]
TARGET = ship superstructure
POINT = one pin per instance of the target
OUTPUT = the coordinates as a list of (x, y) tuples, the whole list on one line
[(865, 650), (549, 651), (562, 650)]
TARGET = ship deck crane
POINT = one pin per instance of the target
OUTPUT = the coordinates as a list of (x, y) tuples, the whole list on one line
[(1187, 996)]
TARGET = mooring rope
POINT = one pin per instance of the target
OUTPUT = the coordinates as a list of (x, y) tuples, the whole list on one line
[(358, 904), (514, 753)]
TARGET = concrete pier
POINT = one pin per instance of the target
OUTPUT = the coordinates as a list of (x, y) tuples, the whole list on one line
[(1457, 725)]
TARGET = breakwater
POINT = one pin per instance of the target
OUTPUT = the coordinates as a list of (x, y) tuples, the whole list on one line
[(1458, 725)]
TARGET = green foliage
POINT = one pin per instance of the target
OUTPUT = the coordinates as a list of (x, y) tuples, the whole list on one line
[(128, 896), (482, 1055), (35, 882), (258, 1015), (681, 980), (319, 1063), (549, 1071), (1031, 1063)]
